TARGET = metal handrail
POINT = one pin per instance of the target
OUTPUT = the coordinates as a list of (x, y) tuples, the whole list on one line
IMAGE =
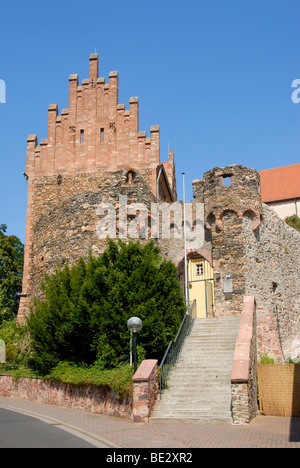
[(174, 348)]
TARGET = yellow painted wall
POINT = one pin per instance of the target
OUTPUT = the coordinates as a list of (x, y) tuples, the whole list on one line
[(199, 270)]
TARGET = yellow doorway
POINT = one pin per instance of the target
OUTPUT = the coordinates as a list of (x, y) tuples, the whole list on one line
[(201, 286)]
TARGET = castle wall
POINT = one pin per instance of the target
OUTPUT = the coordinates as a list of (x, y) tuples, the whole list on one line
[(257, 252), (273, 272), (67, 211)]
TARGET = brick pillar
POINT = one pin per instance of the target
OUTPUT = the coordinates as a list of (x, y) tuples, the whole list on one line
[(94, 67), (145, 389)]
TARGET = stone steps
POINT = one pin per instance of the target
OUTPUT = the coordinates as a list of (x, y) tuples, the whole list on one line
[(199, 385)]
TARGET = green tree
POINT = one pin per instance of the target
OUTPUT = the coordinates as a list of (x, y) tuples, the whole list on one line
[(11, 268), (84, 315), (293, 221)]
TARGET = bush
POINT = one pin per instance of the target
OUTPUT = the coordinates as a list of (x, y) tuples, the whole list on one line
[(118, 379), (293, 221), (83, 318), (16, 339)]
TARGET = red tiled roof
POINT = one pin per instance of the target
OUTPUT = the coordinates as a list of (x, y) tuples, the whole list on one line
[(280, 183)]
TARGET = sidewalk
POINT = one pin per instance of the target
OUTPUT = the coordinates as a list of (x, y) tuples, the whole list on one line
[(113, 432)]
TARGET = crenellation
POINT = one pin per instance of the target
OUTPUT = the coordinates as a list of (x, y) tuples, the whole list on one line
[(93, 67)]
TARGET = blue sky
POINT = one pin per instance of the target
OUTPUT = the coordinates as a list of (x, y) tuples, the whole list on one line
[(215, 75)]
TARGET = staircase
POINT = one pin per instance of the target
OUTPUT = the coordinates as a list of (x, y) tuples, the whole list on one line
[(199, 385)]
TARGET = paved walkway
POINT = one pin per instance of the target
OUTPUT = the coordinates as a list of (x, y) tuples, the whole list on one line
[(113, 432)]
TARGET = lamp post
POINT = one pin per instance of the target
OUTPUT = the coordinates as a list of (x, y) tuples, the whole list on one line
[(134, 325)]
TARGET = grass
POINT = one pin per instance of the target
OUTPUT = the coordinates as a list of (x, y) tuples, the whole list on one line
[(119, 379)]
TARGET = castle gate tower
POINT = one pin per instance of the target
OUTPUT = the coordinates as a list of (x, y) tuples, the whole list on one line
[(94, 150)]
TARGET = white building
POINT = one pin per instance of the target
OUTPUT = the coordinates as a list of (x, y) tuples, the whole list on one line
[(280, 189)]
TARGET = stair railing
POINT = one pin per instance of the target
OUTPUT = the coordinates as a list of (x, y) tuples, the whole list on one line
[(174, 347)]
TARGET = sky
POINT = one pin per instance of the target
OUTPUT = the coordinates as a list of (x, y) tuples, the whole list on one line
[(216, 75)]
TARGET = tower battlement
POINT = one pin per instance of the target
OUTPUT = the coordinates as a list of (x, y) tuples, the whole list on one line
[(95, 133)]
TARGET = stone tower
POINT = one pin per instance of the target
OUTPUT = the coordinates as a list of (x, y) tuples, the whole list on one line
[(229, 195), (93, 150)]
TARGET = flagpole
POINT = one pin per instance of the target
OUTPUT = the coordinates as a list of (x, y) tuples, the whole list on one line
[(185, 254)]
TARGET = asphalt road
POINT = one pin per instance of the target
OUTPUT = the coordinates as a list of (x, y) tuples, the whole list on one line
[(18, 430)]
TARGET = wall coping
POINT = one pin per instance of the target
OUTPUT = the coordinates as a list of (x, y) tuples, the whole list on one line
[(145, 370), (241, 360)]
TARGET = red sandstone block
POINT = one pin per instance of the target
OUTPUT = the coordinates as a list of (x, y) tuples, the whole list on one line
[(145, 370)]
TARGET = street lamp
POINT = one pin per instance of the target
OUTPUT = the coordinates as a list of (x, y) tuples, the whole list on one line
[(134, 325)]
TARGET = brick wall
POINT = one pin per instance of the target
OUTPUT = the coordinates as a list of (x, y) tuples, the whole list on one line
[(95, 131)]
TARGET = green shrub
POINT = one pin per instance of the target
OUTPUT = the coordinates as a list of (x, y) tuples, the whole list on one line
[(293, 221), (11, 269), (265, 359), (83, 318), (16, 339), (118, 379)]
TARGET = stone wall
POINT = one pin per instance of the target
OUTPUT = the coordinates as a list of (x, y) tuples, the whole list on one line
[(257, 252), (66, 217), (226, 205), (273, 270), (90, 398), (87, 398), (268, 341)]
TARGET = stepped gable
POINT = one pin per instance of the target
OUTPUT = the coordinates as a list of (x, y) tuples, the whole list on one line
[(93, 146)]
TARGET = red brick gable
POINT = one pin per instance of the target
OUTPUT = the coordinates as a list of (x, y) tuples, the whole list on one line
[(280, 183)]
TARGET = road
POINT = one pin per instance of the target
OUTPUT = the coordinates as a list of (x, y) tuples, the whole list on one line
[(19, 430)]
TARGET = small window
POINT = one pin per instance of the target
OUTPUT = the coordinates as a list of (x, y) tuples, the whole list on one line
[(199, 269), (81, 136), (227, 181), (102, 135)]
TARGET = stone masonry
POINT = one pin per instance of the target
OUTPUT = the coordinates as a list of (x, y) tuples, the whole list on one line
[(225, 208), (94, 152), (87, 148), (258, 252)]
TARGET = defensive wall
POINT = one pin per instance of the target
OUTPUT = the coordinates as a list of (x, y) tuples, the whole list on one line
[(95, 152)]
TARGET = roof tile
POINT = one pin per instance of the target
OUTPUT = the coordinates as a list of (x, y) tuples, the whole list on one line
[(280, 183)]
